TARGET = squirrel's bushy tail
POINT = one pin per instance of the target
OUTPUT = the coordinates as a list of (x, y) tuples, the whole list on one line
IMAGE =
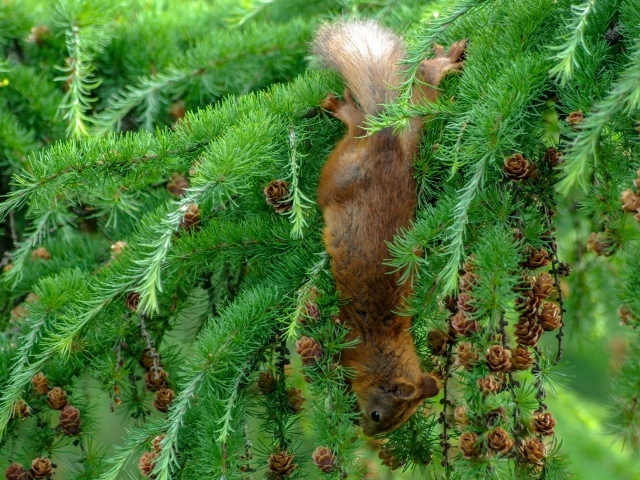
[(367, 56)]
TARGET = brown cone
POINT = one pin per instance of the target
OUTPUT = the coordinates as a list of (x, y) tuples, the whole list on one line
[(148, 355), (281, 463), (528, 304), (296, 399), (309, 350), (276, 194), (498, 358), (465, 303), (537, 259), (575, 118), (155, 443), (163, 399), (41, 253), (324, 459), (460, 415), (630, 201), (438, 342), (146, 463), (266, 383), (191, 217), (310, 312), (521, 358), (553, 157), (462, 325), (117, 249), (516, 167), (466, 355), (39, 383), (549, 317), (468, 445), (41, 468), (156, 379), (468, 281), (601, 244), (495, 417), (543, 286), (177, 185), (21, 410), (132, 300), (499, 441), (388, 459), (489, 384), (543, 423), (528, 332), (14, 471), (533, 451), (70, 420), (178, 110), (57, 398)]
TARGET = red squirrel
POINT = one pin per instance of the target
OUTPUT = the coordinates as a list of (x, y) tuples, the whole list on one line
[(367, 193)]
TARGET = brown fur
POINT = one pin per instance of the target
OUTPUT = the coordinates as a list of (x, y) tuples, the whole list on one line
[(366, 193)]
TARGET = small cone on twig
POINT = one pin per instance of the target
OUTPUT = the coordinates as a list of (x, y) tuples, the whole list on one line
[(266, 383), (438, 342), (537, 259), (156, 443), (163, 399), (549, 317), (14, 471), (489, 384), (70, 420), (575, 118), (191, 218), (132, 301), (41, 253), (543, 423), (495, 417), (601, 244), (466, 355), (460, 415), (41, 468), (57, 398), (498, 358), (552, 157), (543, 286), (630, 201), (533, 451), (146, 463), (521, 358), (462, 325), (517, 168), (528, 332), (281, 463), (468, 445), (528, 304), (177, 185), (276, 195), (147, 358), (309, 350), (324, 459), (465, 303), (389, 459), (499, 441), (296, 399), (21, 410), (156, 379)]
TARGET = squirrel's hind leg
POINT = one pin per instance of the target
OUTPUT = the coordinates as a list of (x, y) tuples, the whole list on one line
[(347, 111)]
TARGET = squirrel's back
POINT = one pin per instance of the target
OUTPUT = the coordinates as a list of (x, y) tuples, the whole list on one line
[(367, 56)]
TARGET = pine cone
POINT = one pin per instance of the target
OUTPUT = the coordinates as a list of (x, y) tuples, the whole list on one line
[(528, 304), (575, 118), (438, 342), (117, 249), (266, 383), (517, 168), (533, 451), (324, 459), (601, 244), (21, 410), (537, 259), (309, 350), (388, 459), (460, 415), (276, 194), (148, 355), (543, 423), (41, 253), (311, 312), (465, 303), (466, 355), (281, 463), (191, 217), (451, 304), (528, 332), (132, 301), (177, 185), (70, 420), (57, 398), (468, 445), (543, 286), (563, 269), (521, 358), (146, 463), (41, 468), (552, 157), (14, 471), (549, 317), (296, 399), (495, 417), (498, 358), (156, 379), (462, 325), (163, 399), (630, 201), (155, 443), (499, 441), (489, 384), (468, 281)]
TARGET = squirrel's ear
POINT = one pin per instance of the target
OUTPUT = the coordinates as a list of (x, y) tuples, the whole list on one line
[(429, 387), (405, 391)]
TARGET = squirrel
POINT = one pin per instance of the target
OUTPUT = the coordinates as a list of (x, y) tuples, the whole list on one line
[(367, 193)]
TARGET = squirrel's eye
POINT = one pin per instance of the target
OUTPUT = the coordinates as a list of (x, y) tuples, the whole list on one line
[(375, 416)]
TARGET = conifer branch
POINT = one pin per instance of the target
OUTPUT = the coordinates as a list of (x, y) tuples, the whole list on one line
[(300, 202)]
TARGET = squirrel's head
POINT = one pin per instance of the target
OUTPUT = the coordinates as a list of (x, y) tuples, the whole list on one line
[(386, 405)]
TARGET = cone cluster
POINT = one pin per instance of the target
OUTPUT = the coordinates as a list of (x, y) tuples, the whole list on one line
[(537, 314), (156, 380), (41, 468)]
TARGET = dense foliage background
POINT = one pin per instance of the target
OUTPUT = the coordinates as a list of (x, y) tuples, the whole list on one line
[(153, 310)]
